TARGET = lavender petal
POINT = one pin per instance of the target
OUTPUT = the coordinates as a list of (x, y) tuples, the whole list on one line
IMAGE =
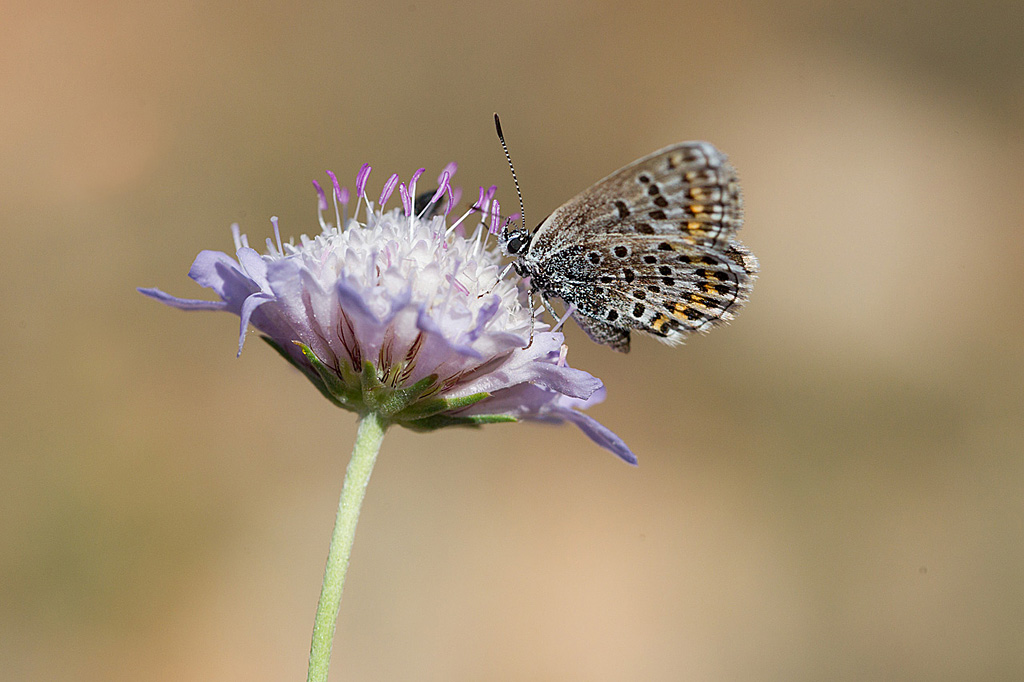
[(181, 303)]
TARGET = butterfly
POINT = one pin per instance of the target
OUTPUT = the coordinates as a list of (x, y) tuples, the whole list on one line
[(652, 248)]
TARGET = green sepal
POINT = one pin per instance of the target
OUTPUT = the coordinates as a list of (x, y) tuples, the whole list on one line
[(430, 407), (388, 401), (365, 392), (439, 421), (403, 398), (368, 379), (343, 391)]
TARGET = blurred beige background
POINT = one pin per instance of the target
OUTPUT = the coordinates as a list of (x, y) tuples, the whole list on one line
[(831, 488)]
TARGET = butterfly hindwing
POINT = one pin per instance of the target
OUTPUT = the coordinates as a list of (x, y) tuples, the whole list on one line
[(656, 286)]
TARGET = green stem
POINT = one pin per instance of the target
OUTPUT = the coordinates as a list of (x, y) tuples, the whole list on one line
[(364, 454)]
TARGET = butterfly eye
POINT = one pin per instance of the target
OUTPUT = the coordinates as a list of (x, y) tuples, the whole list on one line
[(517, 244)]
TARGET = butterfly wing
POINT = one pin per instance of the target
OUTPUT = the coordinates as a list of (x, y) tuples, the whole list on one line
[(652, 247), (663, 287), (687, 191)]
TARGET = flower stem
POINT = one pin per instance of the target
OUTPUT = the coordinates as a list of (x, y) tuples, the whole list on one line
[(364, 454)]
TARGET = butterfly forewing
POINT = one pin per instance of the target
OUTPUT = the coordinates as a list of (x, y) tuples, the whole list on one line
[(687, 191), (651, 247)]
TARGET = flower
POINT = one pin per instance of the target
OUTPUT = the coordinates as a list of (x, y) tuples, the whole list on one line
[(403, 314)]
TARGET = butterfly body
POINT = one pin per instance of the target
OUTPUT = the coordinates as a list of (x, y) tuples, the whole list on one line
[(652, 247)]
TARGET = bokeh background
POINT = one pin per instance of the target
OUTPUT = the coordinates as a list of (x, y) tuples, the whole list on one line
[(831, 488)]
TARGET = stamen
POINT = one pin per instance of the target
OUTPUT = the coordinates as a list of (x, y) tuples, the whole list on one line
[(481, 240), (403, 192), (236, 234), (321, 202), (361, 178), (443, 185), (450, 170), (458, 222), (451, 201), (389, 188), (443, 180), (277, 234), (321, 205), (344, 197), (415, 177), (335, 198), (495, 214), (491, 191)]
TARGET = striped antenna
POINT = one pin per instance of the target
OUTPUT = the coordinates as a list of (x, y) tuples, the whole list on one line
[(522, 209)]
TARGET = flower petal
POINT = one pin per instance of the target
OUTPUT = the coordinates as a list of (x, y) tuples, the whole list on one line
[(248, 307), (535, 365), (182, 303), (254, 267), (599, 433), (218, 271), (533, 403)]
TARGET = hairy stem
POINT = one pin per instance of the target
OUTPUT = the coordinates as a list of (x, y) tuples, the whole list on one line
[(364, 455)]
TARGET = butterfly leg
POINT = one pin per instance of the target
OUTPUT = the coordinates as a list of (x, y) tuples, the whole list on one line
[(501, 276), (533, 317), (550, 308)]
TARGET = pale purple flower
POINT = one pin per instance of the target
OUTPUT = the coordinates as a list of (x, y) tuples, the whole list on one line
[(403, 315)]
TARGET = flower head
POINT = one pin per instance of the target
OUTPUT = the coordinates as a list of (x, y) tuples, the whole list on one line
[(403, 314)]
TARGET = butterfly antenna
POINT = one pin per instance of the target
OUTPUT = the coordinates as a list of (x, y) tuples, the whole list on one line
[(501, 137)]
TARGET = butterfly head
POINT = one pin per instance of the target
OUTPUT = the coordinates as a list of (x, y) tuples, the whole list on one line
[(515, 242)]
